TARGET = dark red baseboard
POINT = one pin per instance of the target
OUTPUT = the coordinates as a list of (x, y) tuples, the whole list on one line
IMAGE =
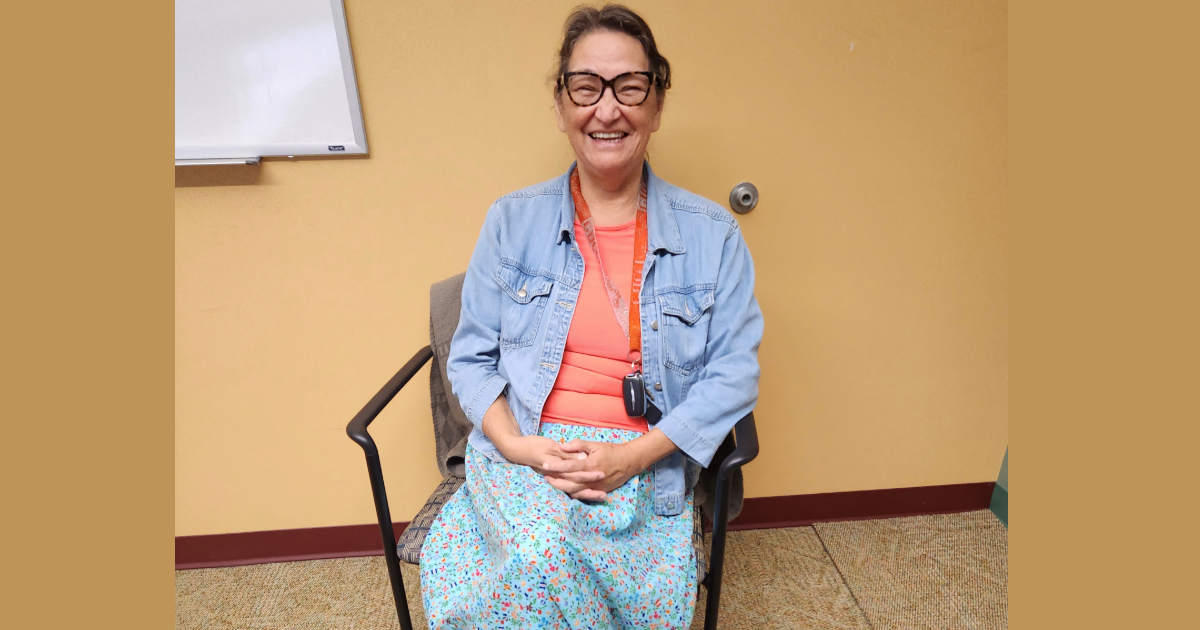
[(280, 545), (349, 541), (805, 509)]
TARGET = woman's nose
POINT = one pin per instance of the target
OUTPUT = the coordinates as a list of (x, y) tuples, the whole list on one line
[(608, 109)]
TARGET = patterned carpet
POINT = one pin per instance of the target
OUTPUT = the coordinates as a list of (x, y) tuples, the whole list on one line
[(936, 572), (943, 571)]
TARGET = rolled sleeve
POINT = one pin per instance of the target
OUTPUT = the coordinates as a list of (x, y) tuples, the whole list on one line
[(483, 399), (685, 435)]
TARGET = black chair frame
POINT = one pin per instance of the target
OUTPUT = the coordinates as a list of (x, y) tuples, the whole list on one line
[(738, 449)]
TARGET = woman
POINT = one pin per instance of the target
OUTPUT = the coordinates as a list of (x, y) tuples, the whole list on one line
[(607, 343)]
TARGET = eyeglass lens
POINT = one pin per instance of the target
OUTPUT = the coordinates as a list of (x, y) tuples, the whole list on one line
[(629, 89)]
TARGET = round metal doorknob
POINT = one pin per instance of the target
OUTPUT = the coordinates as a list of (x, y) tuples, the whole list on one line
[(743, 198)]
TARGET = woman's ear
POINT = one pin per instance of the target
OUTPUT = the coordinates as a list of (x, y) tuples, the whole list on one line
[(660, 101), (558, 111)]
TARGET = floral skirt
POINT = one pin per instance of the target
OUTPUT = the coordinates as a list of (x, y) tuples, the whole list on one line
[(511, 551)]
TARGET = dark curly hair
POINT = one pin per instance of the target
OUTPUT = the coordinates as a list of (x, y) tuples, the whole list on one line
[(618, 19)]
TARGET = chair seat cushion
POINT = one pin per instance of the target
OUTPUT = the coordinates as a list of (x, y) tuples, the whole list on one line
[(409, 545)]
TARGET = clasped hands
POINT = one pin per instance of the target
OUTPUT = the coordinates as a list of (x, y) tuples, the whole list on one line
[(585, 470)]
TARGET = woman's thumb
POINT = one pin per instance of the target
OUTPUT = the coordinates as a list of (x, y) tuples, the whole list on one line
[(574, 446)]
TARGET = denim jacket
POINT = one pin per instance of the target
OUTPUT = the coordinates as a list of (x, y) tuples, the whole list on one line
[(701, 325)]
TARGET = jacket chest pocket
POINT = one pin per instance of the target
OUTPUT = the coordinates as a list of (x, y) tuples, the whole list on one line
[(525, 297), (685, 316)]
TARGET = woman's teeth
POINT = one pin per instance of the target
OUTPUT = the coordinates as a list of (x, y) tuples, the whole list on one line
[(600, 135)]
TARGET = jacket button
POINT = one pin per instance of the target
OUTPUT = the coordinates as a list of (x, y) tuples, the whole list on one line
[(671, 506), (654, 325), (658, 387)]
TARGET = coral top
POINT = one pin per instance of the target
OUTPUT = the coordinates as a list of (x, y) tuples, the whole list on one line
[(587, 391)]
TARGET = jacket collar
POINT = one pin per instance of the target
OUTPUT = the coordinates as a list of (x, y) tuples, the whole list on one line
[(663, 230)]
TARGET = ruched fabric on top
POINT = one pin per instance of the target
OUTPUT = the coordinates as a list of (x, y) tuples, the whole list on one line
[(587, 391)]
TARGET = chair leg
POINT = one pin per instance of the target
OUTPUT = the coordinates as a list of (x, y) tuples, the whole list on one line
[(389, 542), (717, 562)]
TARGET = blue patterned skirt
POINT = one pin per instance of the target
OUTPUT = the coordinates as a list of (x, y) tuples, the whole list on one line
[(511, 551)]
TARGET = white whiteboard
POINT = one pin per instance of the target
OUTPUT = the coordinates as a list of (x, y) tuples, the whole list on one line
[(264, 78)]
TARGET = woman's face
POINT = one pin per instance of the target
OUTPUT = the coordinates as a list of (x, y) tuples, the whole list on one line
[(609, 138)]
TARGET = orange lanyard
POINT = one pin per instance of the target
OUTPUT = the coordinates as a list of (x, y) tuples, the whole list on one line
[(628, 314)]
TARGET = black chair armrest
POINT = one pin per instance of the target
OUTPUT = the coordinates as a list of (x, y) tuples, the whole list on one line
[(357, 430), (745, 436)]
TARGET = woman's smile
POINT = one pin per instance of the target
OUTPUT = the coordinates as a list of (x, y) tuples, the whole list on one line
[(608, 138)]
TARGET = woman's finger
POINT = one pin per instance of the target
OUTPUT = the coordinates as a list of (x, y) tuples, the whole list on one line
[(570, 487), (572, 464), (576, 490), (590, 494), (559, 450), (578, 446), (582, 476), (562, 484), (574, 470)]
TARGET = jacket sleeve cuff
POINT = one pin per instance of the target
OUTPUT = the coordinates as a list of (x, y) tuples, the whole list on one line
[(483, 399), (684, 435)]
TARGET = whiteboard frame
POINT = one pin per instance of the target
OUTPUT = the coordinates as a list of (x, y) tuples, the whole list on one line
[(194, 155)]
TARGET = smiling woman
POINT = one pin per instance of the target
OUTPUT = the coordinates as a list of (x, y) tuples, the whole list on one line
[(610, 135), (608, 342)]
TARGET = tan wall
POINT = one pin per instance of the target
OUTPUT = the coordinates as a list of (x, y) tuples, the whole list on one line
[(880, 244)]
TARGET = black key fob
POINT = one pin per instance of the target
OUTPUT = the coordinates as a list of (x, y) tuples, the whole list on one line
[(633, 390)]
